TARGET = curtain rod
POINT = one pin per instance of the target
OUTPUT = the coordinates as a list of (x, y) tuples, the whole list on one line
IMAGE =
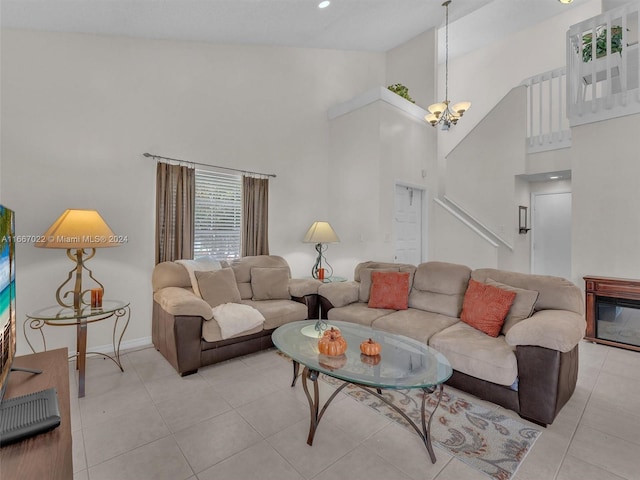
[(158, 157)]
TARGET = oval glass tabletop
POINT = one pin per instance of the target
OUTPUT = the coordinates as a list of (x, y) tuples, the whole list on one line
[(58, 312), (403, 361)]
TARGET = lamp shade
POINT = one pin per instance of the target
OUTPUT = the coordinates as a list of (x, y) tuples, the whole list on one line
[(437, 108), (79, 229), (461, 107), (320, 232)]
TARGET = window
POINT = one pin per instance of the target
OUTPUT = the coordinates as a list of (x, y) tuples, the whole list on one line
[(218, 211)]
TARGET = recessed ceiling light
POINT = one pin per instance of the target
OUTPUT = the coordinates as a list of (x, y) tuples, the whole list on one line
[(556, 177), (326, 3), (565, 1)]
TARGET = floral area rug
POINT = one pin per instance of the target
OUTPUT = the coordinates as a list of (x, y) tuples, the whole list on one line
[(485, 439)]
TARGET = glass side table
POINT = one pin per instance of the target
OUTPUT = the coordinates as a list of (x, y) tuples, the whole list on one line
[(331, 279), (57, 316)]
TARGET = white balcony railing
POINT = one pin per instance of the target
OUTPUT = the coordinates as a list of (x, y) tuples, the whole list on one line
[(547, 123), (603, 66)]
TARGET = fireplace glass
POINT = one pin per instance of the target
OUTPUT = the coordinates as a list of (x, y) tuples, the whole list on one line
[(618, 320)]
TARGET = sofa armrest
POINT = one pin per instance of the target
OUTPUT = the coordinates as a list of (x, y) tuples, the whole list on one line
[(554, 329), (340, 294), (181, 302), (300, 287)]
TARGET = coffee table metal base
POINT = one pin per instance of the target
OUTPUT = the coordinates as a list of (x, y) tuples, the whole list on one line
[(316, 413)]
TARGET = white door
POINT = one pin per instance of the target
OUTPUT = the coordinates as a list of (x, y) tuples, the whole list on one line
[(551, 230), (407, 225)]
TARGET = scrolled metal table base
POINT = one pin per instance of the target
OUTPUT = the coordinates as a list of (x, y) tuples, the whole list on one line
[(316, 412), (81, 338)]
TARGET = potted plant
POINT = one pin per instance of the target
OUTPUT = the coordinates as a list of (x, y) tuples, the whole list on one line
[(601, 43), (401, 90)]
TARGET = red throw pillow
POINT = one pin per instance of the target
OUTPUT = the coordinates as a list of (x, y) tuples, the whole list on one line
[(485, 307), (389, 290)]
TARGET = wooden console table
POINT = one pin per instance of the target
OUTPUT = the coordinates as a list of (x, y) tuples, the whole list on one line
[(48, 455), (609, 290)]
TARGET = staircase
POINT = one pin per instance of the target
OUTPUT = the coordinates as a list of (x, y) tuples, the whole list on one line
[(484, 196)]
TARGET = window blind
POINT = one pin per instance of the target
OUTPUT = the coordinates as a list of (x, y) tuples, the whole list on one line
[(218, 210)]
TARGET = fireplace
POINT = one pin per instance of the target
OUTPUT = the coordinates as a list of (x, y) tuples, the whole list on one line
[(613, 311)]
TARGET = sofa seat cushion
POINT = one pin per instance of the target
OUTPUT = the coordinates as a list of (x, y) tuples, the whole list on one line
[(413, 323), (278, 312), (473, 352), (358, 313), (211, 331)]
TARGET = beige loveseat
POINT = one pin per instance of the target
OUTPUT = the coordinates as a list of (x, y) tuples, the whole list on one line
[(189, 335), (531, 367)]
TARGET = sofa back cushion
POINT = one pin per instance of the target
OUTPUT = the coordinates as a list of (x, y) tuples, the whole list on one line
[(485, 307), (173, 274), (270, 283), (522, 307), (439, 287), (362, 275), (218, 287), (554, 293), (242, 269)]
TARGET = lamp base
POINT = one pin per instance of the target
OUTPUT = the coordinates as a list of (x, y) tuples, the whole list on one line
[(77, 294), (318, 271), (318, 329)]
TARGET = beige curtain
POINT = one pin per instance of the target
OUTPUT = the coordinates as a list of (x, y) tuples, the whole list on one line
[(175, 198), (255, 216)]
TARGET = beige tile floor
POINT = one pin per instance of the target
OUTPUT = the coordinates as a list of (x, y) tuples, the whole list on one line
[(241, 420)]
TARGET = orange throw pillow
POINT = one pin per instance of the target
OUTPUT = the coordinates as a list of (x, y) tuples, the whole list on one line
[(389, 290), (485, 307)]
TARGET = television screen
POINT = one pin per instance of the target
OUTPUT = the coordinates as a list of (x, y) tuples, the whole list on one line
[(7, 295)]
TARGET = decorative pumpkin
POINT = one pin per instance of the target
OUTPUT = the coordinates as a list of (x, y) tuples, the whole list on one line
[(332, 343), (332, 363), (333, 330), (371, 360), (370, 347)]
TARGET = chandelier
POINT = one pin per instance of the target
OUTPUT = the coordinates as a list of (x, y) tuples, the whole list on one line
[(442, 113)]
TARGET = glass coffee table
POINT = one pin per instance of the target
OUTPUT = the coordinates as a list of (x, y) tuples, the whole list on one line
[(403, 363)]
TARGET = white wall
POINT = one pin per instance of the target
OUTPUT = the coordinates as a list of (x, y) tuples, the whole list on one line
[(480, 177), (606, 194), (412, 64), (78, 111), (460, 244), (372, 148)]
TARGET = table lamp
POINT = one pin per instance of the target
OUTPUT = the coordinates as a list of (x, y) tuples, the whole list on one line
[(80, 232), (321, 233)]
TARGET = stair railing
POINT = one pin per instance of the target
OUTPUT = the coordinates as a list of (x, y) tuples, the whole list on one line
[(603, 66), (547, 123)]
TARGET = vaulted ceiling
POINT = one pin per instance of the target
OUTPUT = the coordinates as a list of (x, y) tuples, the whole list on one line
[(370, 25)]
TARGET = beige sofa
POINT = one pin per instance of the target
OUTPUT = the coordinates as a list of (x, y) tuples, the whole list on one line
[(189, 335), (531, 367)]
